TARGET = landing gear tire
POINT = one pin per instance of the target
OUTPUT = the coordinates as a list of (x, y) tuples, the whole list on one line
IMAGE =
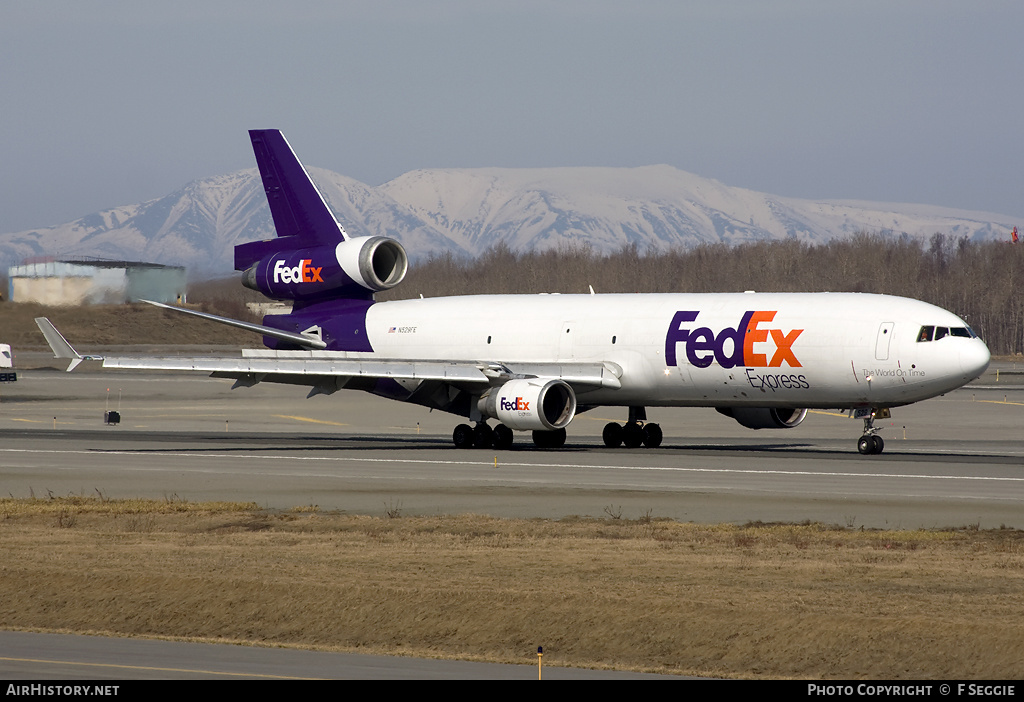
[(870, 444), (502, 438), (549, 439), (632, 435), (877, 445), (483, 436), (463, 436), (612, 435), (652, 435)]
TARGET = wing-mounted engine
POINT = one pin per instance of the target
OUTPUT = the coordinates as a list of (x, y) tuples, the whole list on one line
[(765, 417), (539, 404), (353, 268)]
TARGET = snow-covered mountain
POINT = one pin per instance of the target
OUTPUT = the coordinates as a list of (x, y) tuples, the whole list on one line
[(199, 225), (654, 206), (468, 210)]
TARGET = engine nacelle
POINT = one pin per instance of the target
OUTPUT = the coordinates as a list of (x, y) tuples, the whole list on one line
[(349, 269), (539, 404), (375, 262), (765, 417)]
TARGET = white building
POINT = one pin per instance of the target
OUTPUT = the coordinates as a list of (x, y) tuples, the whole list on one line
[(94, 282)]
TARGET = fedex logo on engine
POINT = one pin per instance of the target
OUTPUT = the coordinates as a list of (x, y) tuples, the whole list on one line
[(515, 404), (302, 273), (744, 345)]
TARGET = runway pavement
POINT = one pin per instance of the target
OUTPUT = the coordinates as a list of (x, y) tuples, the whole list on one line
[(34, 657), (951, 461)]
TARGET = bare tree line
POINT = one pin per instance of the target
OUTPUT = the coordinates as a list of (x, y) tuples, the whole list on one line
[(976, 281)]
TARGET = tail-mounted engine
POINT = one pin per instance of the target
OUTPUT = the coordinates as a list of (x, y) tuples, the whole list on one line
[(537, 404), (353, 268), (765, 417)]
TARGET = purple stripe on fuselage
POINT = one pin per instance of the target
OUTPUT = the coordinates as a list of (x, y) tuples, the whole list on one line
[(342, 324)]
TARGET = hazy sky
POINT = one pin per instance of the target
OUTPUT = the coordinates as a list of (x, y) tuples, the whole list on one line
[(112, 103)]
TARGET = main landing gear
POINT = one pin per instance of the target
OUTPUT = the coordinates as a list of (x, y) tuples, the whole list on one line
[(482, 436), (636, 432), (871, 443), (501, 437)]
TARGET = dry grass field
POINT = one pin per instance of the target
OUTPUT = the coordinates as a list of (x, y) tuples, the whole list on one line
[(90, 326), (761, 601)]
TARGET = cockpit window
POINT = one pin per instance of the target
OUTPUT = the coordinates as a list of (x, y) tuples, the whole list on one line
[(930, 333)]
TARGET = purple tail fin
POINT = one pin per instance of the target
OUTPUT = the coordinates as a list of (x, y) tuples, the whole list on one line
[(300, 213)]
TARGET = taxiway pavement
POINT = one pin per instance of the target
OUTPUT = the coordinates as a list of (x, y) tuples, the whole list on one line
[(957, 460)]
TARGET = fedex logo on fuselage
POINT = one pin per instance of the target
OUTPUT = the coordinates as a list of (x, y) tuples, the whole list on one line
[(731, 347), (302, 273), (514, 404)]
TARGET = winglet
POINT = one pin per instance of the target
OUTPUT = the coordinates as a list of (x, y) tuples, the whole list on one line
[(59, 345)]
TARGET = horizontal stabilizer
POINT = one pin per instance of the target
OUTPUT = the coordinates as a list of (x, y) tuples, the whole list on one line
[(300, 339)]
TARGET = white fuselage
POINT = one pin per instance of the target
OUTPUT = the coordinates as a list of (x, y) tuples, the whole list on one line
[(828, 350)]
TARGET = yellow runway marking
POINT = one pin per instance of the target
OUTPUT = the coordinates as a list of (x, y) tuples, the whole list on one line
[(310, 419), (1001, 402)]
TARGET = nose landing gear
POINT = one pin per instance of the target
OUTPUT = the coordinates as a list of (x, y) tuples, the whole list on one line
[(871, 443)]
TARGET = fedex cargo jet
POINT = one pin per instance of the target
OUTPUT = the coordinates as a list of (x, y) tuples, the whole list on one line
[(533, 362)]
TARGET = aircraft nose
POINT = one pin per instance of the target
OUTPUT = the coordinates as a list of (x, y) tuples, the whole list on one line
[(974, 358)]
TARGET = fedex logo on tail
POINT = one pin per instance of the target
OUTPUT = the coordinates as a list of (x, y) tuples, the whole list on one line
[(302, 273), (744, 345)]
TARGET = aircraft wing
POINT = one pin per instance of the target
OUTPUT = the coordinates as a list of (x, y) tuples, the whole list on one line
[(327, 371)]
